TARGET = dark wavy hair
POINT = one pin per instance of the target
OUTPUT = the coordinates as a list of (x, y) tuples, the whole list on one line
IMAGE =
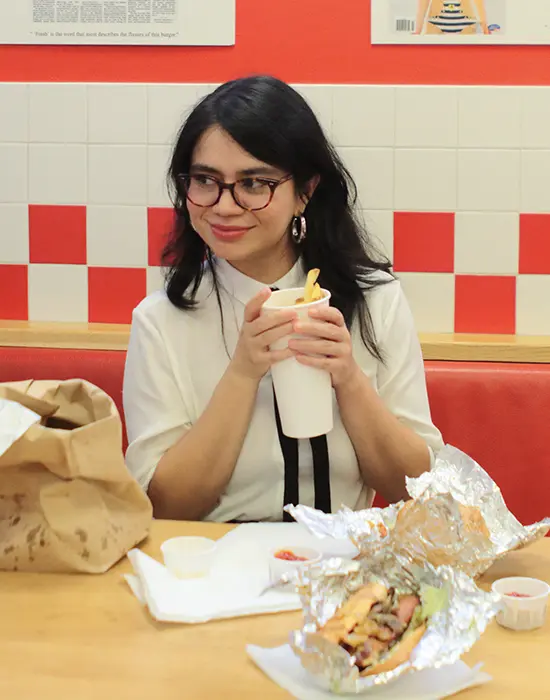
[(274, 123)]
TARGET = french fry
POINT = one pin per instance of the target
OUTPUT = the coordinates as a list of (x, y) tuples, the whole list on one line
[(312, 291), (309, 290)]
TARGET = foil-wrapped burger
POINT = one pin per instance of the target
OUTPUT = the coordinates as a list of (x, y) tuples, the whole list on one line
[(456, 516), (365, 625), (379, 627)]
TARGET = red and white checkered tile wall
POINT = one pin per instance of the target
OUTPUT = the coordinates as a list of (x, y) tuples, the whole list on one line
[(453, 181)]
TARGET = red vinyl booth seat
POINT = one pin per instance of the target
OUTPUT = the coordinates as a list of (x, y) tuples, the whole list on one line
[(497, 413)]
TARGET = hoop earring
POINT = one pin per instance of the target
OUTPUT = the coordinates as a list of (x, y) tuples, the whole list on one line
[(299, 229)]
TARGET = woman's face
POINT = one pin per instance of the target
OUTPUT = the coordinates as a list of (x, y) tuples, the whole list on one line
[(256, 242)]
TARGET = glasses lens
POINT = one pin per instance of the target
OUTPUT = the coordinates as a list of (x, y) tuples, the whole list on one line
[(202, 190), (252, 194)]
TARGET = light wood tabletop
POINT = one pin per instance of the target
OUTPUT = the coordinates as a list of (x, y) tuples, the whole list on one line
[(79, 637)]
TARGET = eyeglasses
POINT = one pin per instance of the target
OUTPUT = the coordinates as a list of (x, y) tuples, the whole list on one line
[(249, 193)]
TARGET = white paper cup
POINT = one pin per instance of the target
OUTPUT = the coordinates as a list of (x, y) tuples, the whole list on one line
[(519, 613), (304, 394), (278, 567), (188, 557)]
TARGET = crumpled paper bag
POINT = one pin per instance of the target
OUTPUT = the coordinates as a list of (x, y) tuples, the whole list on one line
[(67, 501)]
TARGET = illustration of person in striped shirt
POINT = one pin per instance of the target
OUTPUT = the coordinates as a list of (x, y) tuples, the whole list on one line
[(451, 17)]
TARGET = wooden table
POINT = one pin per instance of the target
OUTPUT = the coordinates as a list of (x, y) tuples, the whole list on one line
[(87, 638)]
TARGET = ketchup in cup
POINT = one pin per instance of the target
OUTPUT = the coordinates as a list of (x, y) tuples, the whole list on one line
[(515, 594), (285, 559), (524, 602), (288, 555)]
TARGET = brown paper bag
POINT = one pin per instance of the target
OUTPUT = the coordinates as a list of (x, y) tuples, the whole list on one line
[(67, 500)]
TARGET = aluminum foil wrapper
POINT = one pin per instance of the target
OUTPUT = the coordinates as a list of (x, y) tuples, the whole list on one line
[(450, 633), (364, 528), (434, 526)]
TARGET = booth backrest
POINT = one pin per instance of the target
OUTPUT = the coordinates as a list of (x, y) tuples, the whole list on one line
[(497, 413), (104, 368)]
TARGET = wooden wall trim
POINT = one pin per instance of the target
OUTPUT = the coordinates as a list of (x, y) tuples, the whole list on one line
[(485, 348), (444, 346), (90, 336)]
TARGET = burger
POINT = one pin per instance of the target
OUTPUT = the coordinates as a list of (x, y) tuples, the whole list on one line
[(442, 531), (471, 519), (380, 627)]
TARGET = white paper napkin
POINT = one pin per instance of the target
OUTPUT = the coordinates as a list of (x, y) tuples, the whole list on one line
[(239, 575), (285, 669), (15, 420)]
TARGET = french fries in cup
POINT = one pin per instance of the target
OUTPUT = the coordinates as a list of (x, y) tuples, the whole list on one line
[(304, 394)]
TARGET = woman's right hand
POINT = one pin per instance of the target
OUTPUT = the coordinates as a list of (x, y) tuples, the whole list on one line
[(253, 358)]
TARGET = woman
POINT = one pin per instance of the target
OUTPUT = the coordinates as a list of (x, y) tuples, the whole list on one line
[(451, 17), (260, 198)]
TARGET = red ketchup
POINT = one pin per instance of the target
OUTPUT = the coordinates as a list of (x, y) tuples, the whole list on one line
[(514, 594), (288, 555)]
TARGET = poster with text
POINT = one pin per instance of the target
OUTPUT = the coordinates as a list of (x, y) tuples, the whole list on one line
[(118, 22), (461, 22)]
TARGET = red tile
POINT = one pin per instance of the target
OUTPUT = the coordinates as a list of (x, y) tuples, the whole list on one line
[(534, 244), (14, 294), (423, 242), (113, 292), (160, 221), (57, 234), (485, 304)]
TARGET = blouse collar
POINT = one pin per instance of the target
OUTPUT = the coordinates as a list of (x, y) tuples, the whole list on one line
[(243, 288)]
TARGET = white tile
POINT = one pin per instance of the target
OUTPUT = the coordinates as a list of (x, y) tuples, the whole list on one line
[(117, 236), (532, 295), (489, 117), (117, 114), (432, 300), (379, 225), (364, 115), (57, 113), (488, 180), (426, 117), (372, 170), (319, 98), (535, 181), (14, 112), (58, 293), (117, 175), (204, 89), (57, 173), (14, 234), (155, 279), (425, 180), (13, 172), (535, 131), (158, 162), (168, 106), (487, 243)]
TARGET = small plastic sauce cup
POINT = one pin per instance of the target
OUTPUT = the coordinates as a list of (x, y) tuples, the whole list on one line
[(281, 563), (524, 602), (188, 557)]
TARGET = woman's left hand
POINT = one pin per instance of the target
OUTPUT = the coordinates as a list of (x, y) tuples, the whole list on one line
[(326, 344)]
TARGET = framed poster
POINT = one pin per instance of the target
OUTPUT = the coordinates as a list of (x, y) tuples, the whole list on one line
[(461, 22), (118, 22)]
